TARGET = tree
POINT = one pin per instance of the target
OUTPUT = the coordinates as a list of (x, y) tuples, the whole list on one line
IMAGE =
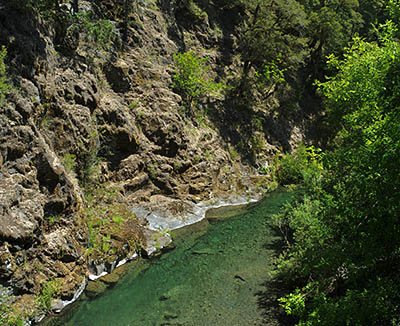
[(271, 36), (4, 85), (332, 24), (373, 14), (191, 81)]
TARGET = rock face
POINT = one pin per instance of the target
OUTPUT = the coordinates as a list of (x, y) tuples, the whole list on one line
[(79, 118), (20, 209)]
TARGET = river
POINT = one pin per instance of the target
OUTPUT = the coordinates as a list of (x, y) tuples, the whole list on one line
[(218, 274)]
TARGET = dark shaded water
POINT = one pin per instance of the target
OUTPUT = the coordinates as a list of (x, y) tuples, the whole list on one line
[(215, 276)]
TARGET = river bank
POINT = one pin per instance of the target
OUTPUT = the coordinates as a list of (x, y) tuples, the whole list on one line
[(160, 224), (216, 276)]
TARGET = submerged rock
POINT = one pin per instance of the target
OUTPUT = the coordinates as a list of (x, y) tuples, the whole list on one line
[(111, 278), (169, 316), (95, 288)]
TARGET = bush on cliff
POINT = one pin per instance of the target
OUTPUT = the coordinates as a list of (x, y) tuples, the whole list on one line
[(190, 79)]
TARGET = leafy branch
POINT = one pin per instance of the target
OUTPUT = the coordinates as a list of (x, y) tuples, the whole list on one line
[(190, 79)]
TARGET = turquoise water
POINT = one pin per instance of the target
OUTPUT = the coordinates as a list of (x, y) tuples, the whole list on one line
[(213, 277)]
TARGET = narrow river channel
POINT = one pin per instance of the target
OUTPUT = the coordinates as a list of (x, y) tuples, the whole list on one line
[(216, 275)]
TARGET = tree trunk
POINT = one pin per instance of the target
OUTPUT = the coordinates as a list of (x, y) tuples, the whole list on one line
[(75, 7), (248, 63)]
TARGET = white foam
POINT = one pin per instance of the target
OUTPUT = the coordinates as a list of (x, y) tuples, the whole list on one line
[(94, 277), (124, 261), (65, 303), (163, 221)]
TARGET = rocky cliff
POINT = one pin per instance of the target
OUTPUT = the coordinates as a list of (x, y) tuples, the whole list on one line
[(89, 132)]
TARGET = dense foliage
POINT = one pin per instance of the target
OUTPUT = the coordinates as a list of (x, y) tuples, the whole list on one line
[(73, 24), (190, 79), (271, 36), (343, 235), (295, 36)]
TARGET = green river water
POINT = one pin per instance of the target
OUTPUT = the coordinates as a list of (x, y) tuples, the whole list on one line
[(217, 275)]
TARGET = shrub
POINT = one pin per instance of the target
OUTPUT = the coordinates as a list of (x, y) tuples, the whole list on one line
[(111, 223), (49, 290), (100, 32), (190, 79), (192, 11), (6, 311), (53, 218), (69, 161), (298, 167), (4, 86)]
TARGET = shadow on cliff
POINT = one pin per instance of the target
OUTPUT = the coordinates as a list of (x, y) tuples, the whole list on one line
[(246, 128), (246, 122), (22, 34), (214, 25), (249, 130)]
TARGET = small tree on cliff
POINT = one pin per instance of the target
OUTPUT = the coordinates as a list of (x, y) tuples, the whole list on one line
[(4, 86), (190, 79)]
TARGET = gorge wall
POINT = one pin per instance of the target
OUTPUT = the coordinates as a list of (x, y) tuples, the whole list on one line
[(89, 132)]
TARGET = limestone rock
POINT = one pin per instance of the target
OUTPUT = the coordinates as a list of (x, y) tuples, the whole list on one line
[(156, 241), (117, 74), (137, 182), (21, 208)]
